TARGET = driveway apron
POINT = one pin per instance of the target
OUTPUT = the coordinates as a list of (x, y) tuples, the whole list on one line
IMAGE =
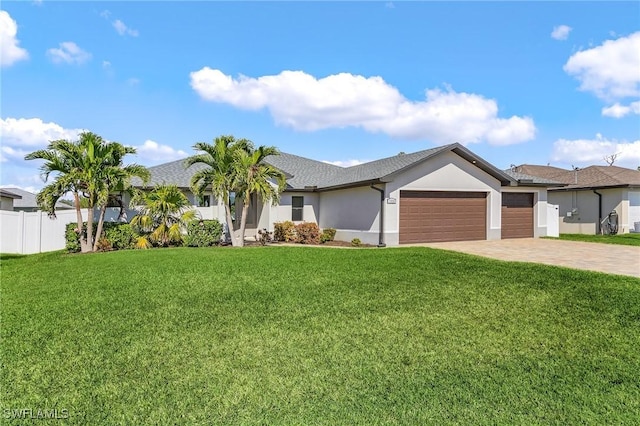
[(607, 258)]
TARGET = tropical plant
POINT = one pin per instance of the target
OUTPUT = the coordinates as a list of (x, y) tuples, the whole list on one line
[(90, 168), (235, 166), (164, 213), (218, 160), (253, 176)]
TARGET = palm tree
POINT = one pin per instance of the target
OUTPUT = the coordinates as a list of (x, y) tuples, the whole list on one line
[(91, 168), (219, 159), (253, 176), (164, 214)]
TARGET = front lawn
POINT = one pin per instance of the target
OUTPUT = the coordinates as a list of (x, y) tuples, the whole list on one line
[(622, 239), (303, 335)]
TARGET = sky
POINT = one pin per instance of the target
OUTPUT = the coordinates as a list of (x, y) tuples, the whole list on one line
[(343, 82)]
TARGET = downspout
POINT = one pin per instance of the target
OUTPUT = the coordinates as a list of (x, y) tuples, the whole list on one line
[(599, 226), (381, 235)]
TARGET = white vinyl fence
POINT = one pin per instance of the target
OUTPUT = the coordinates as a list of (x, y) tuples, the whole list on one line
[(35, 232)]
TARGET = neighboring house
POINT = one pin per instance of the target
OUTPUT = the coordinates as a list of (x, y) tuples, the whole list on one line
[(7, 199), (441, 194), (589, 195), (26, 201)]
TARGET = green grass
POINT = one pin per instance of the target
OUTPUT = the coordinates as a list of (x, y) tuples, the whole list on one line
[(297, 335), (622, 239)]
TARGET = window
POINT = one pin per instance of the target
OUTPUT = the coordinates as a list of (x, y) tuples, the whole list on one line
[(297, 203), (204, 201)]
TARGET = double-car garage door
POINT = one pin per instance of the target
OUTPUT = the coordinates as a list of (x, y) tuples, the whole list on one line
[(433, 216)]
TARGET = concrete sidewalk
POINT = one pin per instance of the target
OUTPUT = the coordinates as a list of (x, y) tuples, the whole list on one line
[(608, 258)]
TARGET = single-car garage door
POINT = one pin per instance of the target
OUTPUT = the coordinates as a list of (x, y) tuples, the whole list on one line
[(431, 216), (517, 215)]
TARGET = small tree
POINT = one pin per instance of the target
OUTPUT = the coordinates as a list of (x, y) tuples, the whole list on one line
[(89, 168), (164, 214)]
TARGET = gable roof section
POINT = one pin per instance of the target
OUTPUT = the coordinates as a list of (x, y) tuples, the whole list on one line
[(591, 177), (304, 174)]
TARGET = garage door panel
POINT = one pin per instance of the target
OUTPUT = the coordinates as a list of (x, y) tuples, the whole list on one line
[(517, 215), (430, 216)]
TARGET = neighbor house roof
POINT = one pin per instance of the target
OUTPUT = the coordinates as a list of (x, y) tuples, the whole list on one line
[(586, 178), (27, 200), (526, 179), (9, 194), (304, 174)]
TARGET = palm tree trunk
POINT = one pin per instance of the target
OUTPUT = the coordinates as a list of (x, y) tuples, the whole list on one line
[(232, 235), (243, 223), (103, 210), (84, 246), (89, 245)]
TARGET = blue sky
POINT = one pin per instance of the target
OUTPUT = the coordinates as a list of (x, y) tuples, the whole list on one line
[(345, 82)]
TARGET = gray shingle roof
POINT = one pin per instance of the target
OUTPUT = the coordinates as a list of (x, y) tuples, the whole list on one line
[(304, 173), (525, 179), (27, 200), (173, 173)]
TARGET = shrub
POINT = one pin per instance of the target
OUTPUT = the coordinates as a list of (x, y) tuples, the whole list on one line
[(120, 235), (264, 236), (203, 233), (328, 234), (308, 233), (356, 242), (284, 231), (72, 238), (104, 244)]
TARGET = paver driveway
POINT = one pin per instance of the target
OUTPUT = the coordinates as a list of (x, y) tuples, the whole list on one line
[(608, 258)]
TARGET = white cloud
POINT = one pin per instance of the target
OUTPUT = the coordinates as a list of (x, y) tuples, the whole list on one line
[(152, 152), (106, 64), (68, 52), (133, 81), (609, 70), (618, 111), (561, 32), (592, 151), (10, 51), (300, 101), (33, 132), (8, 153), (346, 163), (122, 29)]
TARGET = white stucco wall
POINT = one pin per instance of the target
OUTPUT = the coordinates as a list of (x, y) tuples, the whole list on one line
[(352, 212), (282, 212), (446, 172)]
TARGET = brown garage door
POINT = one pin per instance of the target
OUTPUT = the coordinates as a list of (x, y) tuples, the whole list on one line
[(517, 215), (430, 216)]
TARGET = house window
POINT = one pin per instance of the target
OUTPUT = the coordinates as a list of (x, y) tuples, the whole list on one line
[(297, 203), (204, 201)]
